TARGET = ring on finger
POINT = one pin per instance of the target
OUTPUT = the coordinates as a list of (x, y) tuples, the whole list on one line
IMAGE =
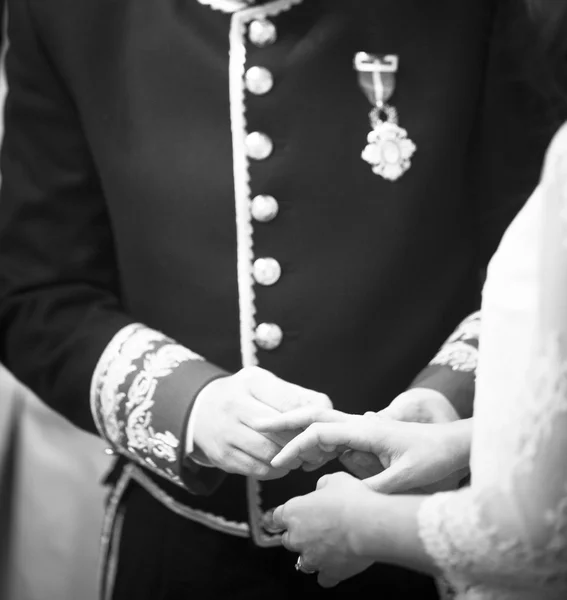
[(300, 567)]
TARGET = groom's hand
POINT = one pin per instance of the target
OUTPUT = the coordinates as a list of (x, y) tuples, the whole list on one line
[(420, 405), (225, 431)]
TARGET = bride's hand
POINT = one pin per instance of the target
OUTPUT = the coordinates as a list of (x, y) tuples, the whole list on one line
[(416, 405), (413, 454), (326, 528)]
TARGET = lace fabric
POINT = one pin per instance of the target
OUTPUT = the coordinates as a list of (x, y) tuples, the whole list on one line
[(505, 536)]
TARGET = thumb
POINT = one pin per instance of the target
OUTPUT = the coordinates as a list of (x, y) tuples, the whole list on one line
[(323, 482), (338, 480), (397, 478)]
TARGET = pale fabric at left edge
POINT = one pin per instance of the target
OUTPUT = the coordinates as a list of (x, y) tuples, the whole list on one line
[(51, 499)]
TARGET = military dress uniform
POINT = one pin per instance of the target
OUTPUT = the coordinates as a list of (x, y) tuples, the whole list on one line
[(185, 193)]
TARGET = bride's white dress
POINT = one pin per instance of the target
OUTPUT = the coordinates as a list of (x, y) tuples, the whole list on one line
[(505, 536)]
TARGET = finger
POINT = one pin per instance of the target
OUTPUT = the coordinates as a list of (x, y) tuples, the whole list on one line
[(402, 408), (269, 524), (253, 443), (278, 518), (337, 434), (312, 398), (334, 479), (279, 394), (301, 418), (280, 438), (239, 462), (325, 580), (390, 413), (361, 464), (328, 448), (324, 458), (253, 413), (260, 447), (312, 458), (310, 467), (444, 482), (251, 409), (399, 477), (288, 543)]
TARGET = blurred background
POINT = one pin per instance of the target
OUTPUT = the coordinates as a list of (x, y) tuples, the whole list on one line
[(51, 499)]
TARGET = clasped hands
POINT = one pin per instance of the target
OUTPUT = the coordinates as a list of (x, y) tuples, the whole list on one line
[(340, 529), (227, 432), (255, 424)]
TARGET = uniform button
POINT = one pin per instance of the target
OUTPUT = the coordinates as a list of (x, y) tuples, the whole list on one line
[(109, 451), (258, 145), (267, 271), (258, 80), (264, 208), (262, 32), (268, 336)]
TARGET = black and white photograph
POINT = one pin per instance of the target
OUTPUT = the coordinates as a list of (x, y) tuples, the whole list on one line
[(283, 299)]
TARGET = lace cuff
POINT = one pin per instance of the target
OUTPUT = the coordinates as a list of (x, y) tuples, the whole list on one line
[(479, 560), (446, 521), (142, 392)]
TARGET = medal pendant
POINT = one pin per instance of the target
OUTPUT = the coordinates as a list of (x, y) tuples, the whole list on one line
[(389, 148)]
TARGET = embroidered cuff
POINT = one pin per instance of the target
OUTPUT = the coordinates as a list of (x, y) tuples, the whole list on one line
[(452, 371), (460, 351), (142, 392)]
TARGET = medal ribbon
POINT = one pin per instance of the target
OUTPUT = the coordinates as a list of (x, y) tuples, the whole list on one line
[(376, 76)]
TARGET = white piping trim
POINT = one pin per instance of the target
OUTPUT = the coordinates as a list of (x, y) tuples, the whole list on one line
[(244, 229), (114, 518), (244, 226), (227, 6), (110, 536), (215, 522)]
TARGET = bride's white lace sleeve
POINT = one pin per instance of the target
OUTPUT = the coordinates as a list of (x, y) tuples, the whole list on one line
[(505, 536)]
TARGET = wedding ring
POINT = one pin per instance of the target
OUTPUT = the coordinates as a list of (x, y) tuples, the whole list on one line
[(299, 566)]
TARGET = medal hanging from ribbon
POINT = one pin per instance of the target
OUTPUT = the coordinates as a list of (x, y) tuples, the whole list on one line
[(389, 148)]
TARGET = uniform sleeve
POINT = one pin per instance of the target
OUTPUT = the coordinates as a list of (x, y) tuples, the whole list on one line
[(63, 329), (505, 536), (452, 370)]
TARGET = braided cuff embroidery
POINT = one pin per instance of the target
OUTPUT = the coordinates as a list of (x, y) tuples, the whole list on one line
[(125, 396), (460, 351)]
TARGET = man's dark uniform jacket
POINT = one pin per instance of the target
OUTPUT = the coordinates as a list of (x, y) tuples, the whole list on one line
[(146, 170)]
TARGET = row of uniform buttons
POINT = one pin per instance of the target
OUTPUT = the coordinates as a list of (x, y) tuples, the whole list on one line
[(259, 146)]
